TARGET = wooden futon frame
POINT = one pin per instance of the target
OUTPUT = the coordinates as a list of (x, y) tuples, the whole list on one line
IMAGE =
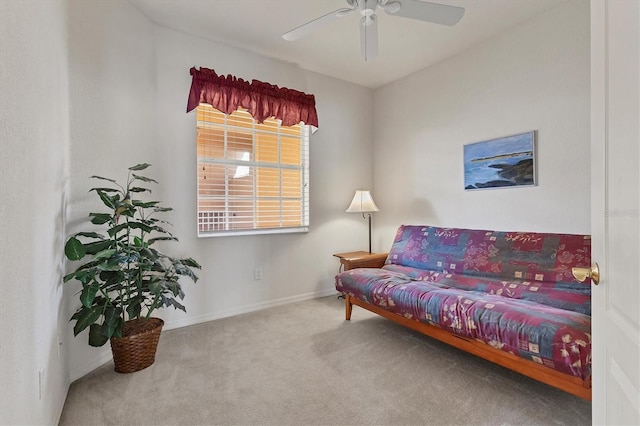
[(571, 384)]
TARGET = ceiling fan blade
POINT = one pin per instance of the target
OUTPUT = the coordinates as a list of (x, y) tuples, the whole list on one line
[(369, 37), (311, 26), (437, 13)]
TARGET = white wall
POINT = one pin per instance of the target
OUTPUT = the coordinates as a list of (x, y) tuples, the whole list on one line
[(533, 77), (112, 101), (295, 266), (128, 92), (34, 165)]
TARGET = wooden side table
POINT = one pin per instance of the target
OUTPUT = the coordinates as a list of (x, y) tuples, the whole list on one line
[(361, 259)]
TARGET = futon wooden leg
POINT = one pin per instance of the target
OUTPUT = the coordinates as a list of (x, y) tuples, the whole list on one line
[(348, 306)]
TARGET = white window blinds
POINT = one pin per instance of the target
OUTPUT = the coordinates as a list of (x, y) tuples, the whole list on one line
[(252, 178)]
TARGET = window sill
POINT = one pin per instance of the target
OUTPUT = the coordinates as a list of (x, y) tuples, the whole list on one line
[(297, 230)]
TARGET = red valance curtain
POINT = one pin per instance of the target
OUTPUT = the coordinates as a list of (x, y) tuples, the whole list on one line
[(262, 100)]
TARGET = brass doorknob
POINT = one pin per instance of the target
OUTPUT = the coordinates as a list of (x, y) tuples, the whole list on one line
[(581, 274)]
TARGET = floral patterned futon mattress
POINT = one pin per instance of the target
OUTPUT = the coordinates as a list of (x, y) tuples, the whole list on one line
[(512, 291)]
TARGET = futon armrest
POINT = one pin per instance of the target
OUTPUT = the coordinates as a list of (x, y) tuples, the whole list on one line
[(375, 260)]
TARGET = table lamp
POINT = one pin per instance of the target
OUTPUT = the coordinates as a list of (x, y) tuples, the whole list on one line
[(363, 203)]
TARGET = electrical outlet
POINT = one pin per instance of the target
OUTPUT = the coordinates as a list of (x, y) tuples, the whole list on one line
[(257, 274)]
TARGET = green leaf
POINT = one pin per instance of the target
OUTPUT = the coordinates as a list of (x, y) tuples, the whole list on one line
[(173, 302), (138, 167), (118, 286), (74, 249), (83, 276), (112, 321), (115, 229), (103, 178), (88, 266), (158, 267), (161, 230), (146, 205), (137, 241), (134, 309), (104, 254), (100, 218), (68, 277), (141, 226), (149, 254), (139, 189), (156, 287), (163, 209), (153, 240), (191, 263), (105, 189), (88, 294), (96, 337), (111, 265), (108, 201), (95, 247), (174, 287), (144, 178), (126, 210), (86, 317), (185, 271), (91, 235), (112, 277)]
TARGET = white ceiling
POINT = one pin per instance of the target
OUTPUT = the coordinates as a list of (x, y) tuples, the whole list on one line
[(405, 45)]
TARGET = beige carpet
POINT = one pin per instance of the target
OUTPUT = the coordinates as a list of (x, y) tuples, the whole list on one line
[(302, 364)]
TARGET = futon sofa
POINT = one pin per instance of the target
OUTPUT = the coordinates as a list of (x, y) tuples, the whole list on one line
[(508, 297)]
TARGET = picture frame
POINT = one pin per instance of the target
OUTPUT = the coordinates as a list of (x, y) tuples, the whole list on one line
[(504, 162)]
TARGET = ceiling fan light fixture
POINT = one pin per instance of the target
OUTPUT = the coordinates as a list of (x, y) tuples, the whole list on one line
[(368, 20)]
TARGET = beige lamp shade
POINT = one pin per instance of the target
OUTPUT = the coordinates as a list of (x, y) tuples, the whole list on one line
[(362, 203)]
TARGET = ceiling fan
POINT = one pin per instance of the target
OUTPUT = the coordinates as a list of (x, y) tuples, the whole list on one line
[(415, 9)]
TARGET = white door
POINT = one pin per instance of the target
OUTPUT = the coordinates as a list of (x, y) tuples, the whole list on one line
[(615, 213)]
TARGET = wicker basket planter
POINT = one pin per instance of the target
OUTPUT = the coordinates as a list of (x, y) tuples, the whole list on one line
[(136, 349)]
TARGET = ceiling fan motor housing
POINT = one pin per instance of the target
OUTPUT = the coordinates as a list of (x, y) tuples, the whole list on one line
[(368, 11), (368, 7)]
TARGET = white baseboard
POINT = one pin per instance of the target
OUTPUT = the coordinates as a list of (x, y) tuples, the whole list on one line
[(62, 398), (248, 308), (106, 356)]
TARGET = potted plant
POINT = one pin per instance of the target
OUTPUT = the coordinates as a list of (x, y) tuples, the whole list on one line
[(125, 277)]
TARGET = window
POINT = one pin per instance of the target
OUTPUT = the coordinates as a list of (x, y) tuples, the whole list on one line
[(252, 178)]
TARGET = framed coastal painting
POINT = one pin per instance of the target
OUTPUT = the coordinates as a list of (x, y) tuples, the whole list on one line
[(503, 162)]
